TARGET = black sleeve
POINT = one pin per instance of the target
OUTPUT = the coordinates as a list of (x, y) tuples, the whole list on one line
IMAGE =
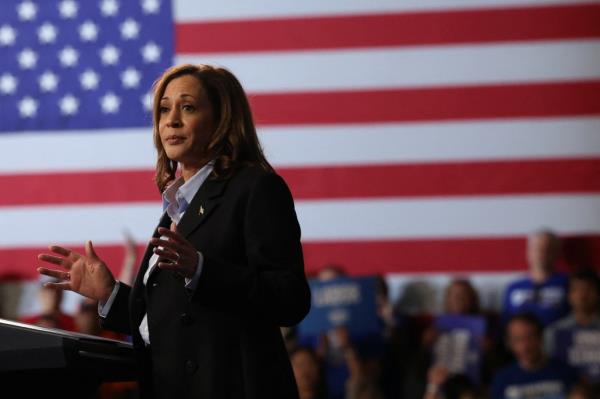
[(117, 318), (272, 285)]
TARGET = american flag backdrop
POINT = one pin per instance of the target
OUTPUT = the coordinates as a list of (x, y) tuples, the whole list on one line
[(416, 135)]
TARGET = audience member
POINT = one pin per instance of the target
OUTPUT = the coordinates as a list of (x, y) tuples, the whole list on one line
[(582, 391), (575, 339), (460, 299), (533, 375), (129, 266), (543, 292), (330, 272), (308, 373), (50, 314), (442, 385)]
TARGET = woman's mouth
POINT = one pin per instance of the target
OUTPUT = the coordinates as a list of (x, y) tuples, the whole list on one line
[(174, 140)]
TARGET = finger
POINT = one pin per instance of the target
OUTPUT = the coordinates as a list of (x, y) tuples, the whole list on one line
[(171, 266), (173, 227), (170, 255), (174, 246), (171, 234), (181, 270), (55, 260), (58, 286), (60, 250), (89, 249), (54, 273)]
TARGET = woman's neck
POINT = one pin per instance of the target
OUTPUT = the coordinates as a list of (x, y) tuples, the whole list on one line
[(187, 171)]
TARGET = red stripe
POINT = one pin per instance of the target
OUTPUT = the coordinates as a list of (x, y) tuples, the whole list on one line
[(394, 180), (444, 255), (79, 188), (369, 257), (445, 179), (428, 104), (398, 29)]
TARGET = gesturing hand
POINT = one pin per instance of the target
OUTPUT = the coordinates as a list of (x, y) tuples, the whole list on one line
[(86, 274), (175, 252)]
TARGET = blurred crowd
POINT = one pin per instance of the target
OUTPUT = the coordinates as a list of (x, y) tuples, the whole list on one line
[(527, 348), (522, 350)]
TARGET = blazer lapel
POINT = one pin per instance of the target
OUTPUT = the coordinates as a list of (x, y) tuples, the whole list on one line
[(204, 203), (165, 221)]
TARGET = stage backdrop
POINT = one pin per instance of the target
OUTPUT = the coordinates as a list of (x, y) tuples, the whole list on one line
[(425, 136)]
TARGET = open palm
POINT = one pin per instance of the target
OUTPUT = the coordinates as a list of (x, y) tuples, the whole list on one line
[(85, 274)]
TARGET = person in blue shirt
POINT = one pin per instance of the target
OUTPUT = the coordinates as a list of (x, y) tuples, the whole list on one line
[(543, 292), (533, 375), (575, 339)]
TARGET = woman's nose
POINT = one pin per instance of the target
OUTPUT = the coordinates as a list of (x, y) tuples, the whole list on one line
[(174, 120)]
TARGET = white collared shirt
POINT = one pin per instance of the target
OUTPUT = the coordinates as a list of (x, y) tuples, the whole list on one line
[(176, 199)]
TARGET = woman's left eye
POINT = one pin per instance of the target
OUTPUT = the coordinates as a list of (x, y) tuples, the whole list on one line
[(188, 107)]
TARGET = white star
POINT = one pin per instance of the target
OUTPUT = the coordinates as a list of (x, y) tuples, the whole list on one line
[(68, 56), (28, 107), (147, 101), (150, 6), (7, 35), (110, 54), (67, 9), (47, 33), (69, 105), (151, 52), (27, 58), (88, 31), (48, 81), (131, 78), (130, 29), (110, 103), (109, 8), (8, 83), (27, 10), (89, 80)]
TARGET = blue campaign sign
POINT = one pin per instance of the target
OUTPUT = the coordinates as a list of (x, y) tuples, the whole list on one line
[(345, 301), (458, 346), (579, 347)]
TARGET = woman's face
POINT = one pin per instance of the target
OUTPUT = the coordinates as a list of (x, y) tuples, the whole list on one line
[(459, 299), (186, 121)]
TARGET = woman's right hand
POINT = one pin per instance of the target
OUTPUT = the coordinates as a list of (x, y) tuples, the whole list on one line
[(85, 274)]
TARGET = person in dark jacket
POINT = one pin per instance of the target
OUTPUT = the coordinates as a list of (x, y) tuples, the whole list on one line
[(224, 268)]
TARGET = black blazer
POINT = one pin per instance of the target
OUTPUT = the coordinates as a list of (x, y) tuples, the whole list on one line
[(223, 340)]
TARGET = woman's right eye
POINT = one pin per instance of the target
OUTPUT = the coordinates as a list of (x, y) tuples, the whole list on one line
[(163, 110)]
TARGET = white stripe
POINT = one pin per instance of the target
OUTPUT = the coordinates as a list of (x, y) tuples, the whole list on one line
[(192, 10), (448, 217), (410, 66), (432, 142), (327, 220), (77, 150), (72, 225), (321, 145)]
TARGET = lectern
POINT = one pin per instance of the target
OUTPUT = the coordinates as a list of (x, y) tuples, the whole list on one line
[(47, 363)]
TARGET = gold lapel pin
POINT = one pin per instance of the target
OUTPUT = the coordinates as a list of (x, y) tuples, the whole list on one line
[(201, 211)]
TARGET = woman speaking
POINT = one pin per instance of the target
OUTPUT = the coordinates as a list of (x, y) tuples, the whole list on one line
[(224, 267)]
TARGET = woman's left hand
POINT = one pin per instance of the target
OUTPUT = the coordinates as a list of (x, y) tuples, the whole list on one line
[(175, 252)]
